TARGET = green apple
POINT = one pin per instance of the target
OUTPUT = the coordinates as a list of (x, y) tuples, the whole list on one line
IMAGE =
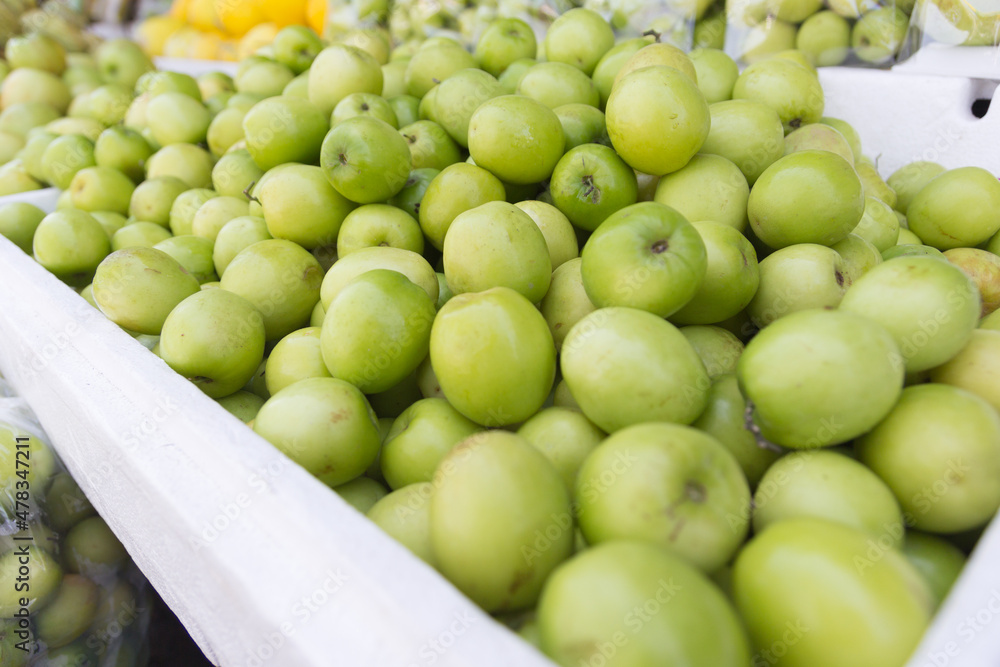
[(430, 145), (497, 244), (404, 515), (505, 129), (65, 503), (644, 256), (297, 87), (419, 438), (504, 41), (212, 216), (184, 207), (718, 348), (365, 159), (626, 366), (42, 580), (379, 225), (974, 367), (27, 84), (825, 37), (859, 256), (122, 61), (640, 605), (23, 117), (906, 236), (284, 129), (153, 199), (878, 225), (559, 234), (947, 489), (508, 373), (930, 307), (984, 269), (214, 338), (790, 89), (910, 179), (18, 222), (340, 70), (873, 183), (668, 484), (459, 96), (300, 205), (280, 279), (565, 437), (235, 173), (589, 183), (10, 146), (296, 47), (458, 188), (656, 54), (764, 41), (939, 561), (809, 196), (361, 493), (33, 152), (819, 136), (138, 234), (611, 63), (112, 222), (14, 438), (36, 50), (325, 425), (823, 621), (878, 35), (433, 64), (858, 359), (908, 249), (708, 187), (136, 288), (377, 330), (657, 119), (123, 149), (555, 84), (109, 104), (955, 209), (90, 548), (295, 357), (566, 301), (846, 131), (194, 253), (582, 124), (405, 108), (155, 83), (70, 244), (363, 104), (226, 130), (70, 612), (731, 277), (724, 419), (64, 157), (235, 235), (828, 485), (15, 180), (579, 37), (192, 164), (511, 77), (487, 549), (264, 77), (716, 73), (410, 264)]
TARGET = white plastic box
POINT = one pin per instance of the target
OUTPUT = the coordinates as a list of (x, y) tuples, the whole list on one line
[(265, 565)]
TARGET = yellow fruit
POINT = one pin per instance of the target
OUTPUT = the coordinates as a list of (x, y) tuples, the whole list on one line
[(153, 33), (316, 15), (201, 14), (179, 44), (284, 12), (206, 46), (178, 9), (228, 50), (237, 17), (259, 36)]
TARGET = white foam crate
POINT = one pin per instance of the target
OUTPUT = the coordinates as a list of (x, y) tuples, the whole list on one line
[(266, 566)]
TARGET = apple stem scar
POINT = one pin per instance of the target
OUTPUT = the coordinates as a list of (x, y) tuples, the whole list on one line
[(762, 442)]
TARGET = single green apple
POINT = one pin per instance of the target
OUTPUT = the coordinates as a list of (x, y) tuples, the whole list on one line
[(503, 130), (70, 244)]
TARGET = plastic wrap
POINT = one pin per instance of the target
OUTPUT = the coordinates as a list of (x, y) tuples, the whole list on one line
[(854, 33), (69, 593), (943, 24)]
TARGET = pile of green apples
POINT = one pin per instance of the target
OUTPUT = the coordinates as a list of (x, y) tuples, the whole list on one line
[(638, 351), (71, 594), (829, 32)]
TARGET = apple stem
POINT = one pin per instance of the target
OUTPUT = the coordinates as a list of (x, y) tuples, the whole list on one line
[(762, 442), (652, 33), (247, 192)]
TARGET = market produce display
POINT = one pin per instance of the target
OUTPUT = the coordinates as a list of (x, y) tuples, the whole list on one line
[(639, 351), (71, 595)]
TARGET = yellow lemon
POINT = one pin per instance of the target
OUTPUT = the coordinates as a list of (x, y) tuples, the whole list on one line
[(206, 46), (153, 33), (178, 9), (237, 17), (201, 14), (316, 15), (178, 45), (284, 12)]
